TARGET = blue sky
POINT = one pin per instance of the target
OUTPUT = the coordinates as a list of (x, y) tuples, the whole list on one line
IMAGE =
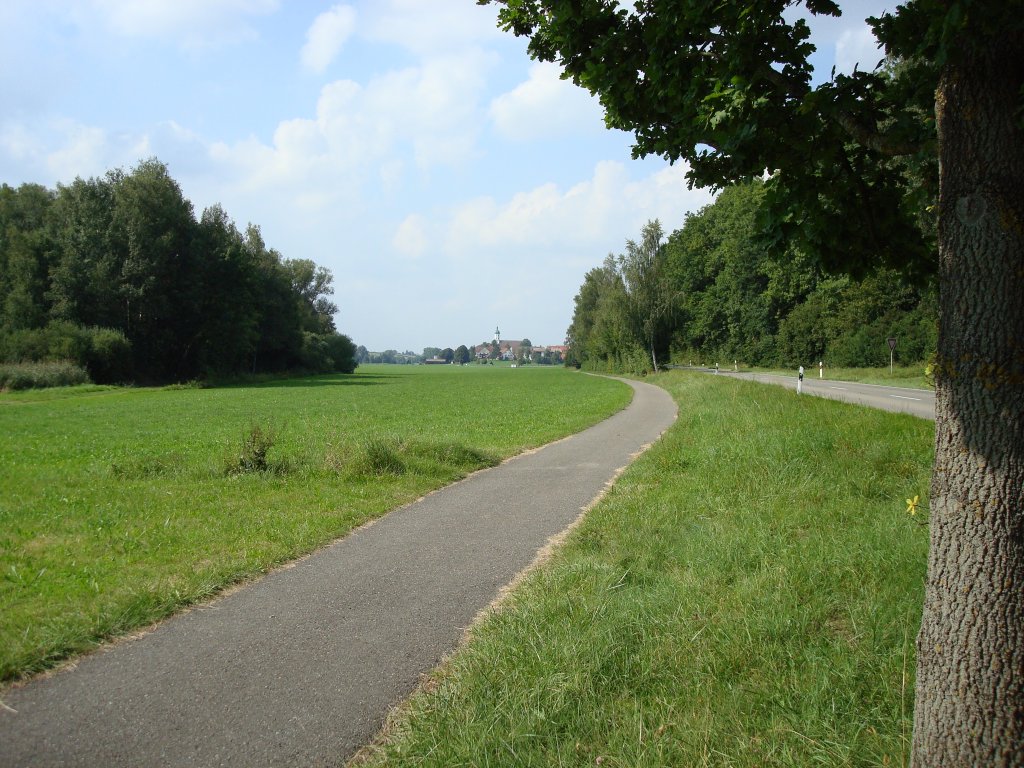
[(448, 182)]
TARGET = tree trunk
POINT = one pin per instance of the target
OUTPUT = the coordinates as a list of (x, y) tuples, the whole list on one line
[(970, 651)]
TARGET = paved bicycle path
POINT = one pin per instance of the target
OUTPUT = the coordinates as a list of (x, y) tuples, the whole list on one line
[(300, 668)]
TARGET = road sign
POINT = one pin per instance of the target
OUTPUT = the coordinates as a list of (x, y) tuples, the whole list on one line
[(892, 343)]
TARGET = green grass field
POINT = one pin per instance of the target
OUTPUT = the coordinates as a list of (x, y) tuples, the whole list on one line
[(119, 506), (747, 594)]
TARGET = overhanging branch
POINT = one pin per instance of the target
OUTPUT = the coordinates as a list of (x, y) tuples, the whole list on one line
[(874, 139)]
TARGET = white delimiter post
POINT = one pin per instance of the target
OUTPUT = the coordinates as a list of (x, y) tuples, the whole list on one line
[(821, 369)]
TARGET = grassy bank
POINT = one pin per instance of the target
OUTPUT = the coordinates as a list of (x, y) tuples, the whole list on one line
[(118, 506), (747, 594), (911, 376)]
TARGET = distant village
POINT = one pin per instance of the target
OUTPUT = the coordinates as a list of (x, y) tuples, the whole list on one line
[(514, 351)]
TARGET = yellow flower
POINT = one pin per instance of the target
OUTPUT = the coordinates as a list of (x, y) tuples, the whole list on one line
[(912, 505)]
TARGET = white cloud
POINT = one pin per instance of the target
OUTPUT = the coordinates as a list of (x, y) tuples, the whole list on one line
[(592, 215), (193, 23), (431, 27), (20, 144), (326, 37), (545, 105), (435, 106), (411, 237), (331, 150), (858, 47), (56, 150), (391, 172), (430, 114)]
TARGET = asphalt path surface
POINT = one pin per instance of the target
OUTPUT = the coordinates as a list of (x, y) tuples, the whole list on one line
[(919, 402), (301, 667)]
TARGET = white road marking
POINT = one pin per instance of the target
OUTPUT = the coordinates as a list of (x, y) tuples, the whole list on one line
[(901, 397), (842, 388)]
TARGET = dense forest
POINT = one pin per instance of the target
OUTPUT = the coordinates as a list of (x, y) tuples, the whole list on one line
[(718, 292), (117, 276)]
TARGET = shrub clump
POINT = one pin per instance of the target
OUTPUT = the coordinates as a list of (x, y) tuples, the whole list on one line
[(17, 376), (252, 455), (105, 353)]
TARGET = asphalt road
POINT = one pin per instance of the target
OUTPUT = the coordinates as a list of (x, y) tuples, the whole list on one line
[(301, 668), (919, 402)]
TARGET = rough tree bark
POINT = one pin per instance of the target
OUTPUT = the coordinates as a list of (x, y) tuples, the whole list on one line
[(970, 651)]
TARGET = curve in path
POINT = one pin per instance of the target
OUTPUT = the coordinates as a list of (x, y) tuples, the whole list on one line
[(302, 667)]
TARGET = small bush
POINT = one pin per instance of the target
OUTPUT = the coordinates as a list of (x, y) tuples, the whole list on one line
[(16, 376), (636, 361), (109, 357), (327, 353), (252, 456), (342, 351), (313, 355), (58, 341)]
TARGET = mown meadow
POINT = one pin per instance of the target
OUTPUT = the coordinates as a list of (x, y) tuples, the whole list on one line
[(119, 506), (747, 594)]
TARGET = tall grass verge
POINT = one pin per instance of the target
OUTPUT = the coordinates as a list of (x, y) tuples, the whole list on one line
[(381, 455), (747, 594), (911, 376)]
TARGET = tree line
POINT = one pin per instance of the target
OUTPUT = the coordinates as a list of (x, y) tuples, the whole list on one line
[(408, 357), (394, 357), (117, 275), (716, 291), (461, 355)]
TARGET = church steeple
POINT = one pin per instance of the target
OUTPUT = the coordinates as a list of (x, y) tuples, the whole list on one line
[(497, 336)]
